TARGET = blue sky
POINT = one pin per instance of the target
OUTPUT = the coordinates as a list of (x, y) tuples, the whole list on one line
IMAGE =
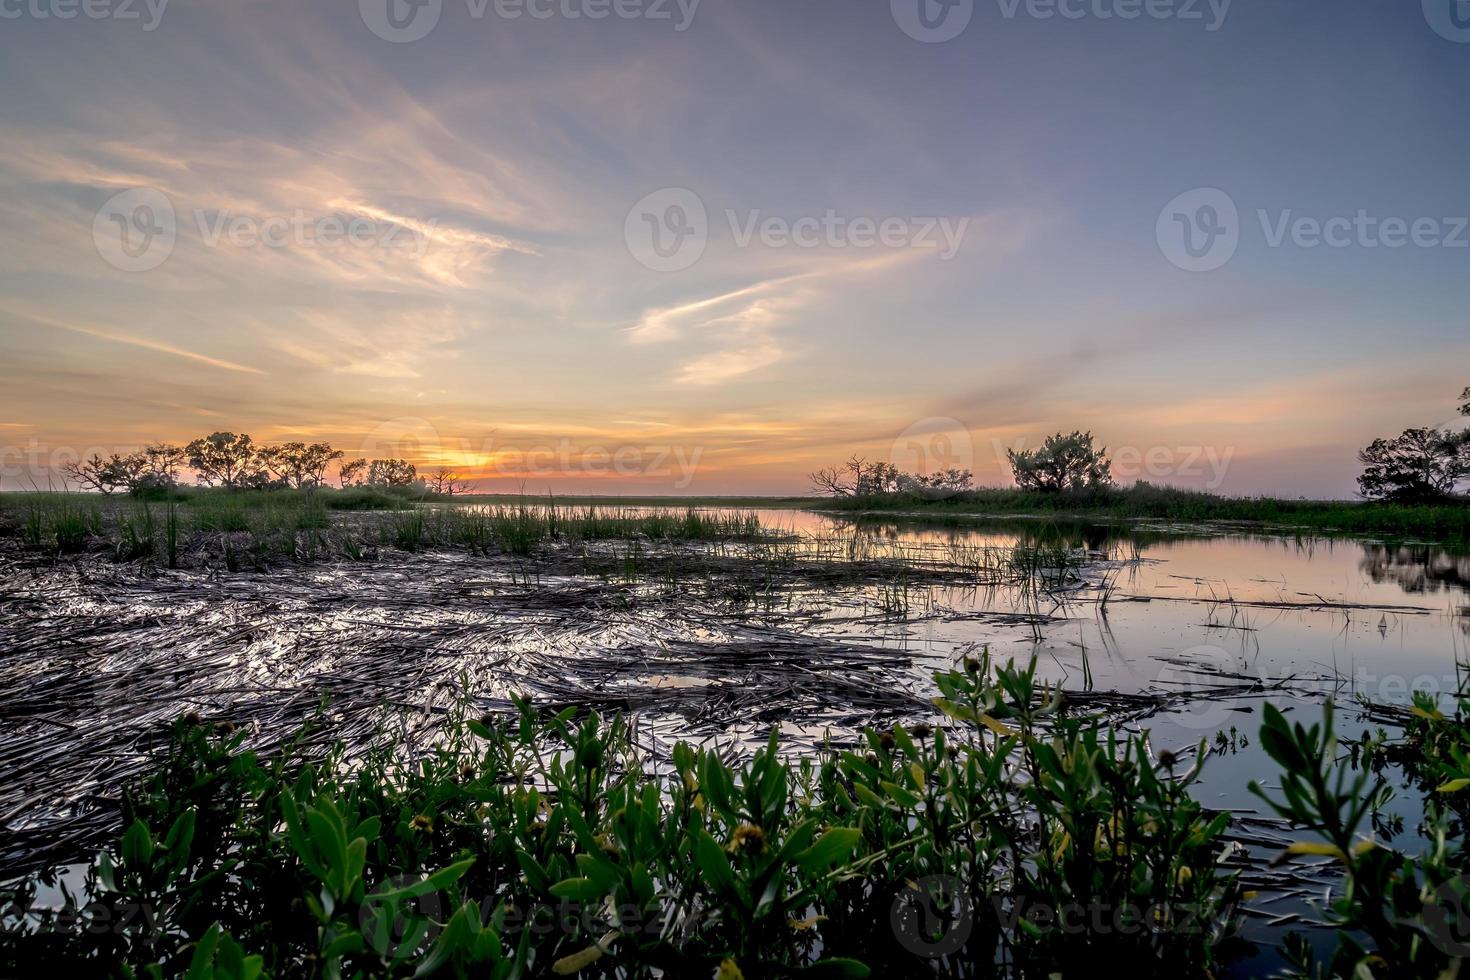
[(509, 154)]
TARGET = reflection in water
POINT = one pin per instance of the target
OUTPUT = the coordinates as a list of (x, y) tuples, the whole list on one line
[(1417, 568)]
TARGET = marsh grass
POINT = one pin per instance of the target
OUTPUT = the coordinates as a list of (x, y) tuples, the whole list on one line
[(1448, 521)]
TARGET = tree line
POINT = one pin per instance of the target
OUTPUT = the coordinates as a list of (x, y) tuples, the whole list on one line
[(1422, 465), (1063, 462), (236, 462)]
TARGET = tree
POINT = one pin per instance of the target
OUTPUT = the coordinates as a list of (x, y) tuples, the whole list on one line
[(392, 473), (1064, 462), (106, 476), (319, 456), (159, 464), (1465, 402), (298, 465), (350, 471), (856, 476), (1419, 465), (225, 459), (944, 482), (446, 483)]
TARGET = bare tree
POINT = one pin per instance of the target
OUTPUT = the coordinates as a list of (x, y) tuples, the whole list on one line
[(446, 483), (841, 481), (105, 476)]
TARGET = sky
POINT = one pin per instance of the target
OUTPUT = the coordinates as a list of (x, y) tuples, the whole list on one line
[(652, 246)]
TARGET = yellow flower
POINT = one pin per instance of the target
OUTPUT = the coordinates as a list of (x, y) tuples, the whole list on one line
[(748, 837)]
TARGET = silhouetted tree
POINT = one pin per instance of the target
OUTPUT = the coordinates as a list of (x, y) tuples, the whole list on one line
[(1064, 462), (224, 459), (392, 473), (160, 464), (446, 483), (1420, 465), (298, 465), (943, 482), (105, 476), (350, 471)]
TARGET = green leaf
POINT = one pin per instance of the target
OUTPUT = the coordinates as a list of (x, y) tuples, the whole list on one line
[(838, 966), (578, 889), (712, 860), (833, 846), (137, 846)]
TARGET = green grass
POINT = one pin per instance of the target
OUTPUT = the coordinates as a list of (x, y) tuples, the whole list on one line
[(1443, 522)]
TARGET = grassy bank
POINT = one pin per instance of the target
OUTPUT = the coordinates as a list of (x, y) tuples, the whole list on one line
[(246, 527), (1441, 522), (1017, 839)]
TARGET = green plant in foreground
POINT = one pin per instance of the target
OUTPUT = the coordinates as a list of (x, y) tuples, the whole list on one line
[(551, 845), (1406, 907)]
